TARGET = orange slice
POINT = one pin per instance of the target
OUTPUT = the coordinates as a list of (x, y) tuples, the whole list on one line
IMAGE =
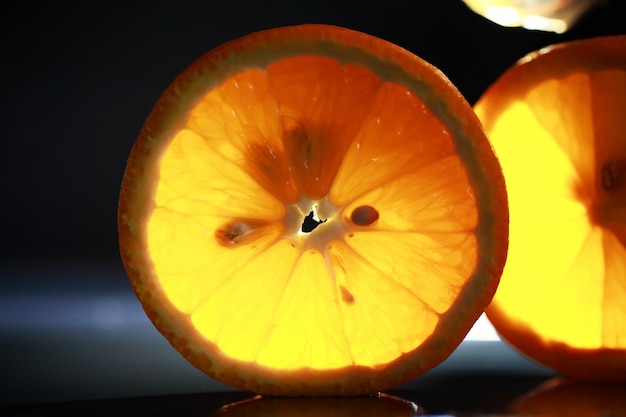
[(557, 122), (311, 210)]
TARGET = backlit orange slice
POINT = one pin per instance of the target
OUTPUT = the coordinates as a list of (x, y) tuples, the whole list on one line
[(311, 210), (558, 123)]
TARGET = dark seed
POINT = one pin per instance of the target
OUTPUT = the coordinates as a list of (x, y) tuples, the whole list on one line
[(364, 215), (613, 175), (346, 295)]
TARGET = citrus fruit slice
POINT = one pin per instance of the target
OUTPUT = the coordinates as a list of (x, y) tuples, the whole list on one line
[(557, 123), (311, 210)]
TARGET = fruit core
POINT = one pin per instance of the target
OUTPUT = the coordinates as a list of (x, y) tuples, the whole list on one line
[(310, 224)]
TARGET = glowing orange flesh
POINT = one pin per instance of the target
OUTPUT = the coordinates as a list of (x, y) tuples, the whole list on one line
[(566, 224), (310, 136), (557, 124)]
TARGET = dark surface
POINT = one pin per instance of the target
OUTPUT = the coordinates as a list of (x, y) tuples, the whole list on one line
[(81, 340), (484, 396), (78, 80)]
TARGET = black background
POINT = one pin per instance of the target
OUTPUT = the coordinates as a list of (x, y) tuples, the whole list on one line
[(79, 79)]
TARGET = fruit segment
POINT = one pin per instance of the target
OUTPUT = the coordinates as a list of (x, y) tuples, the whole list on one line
[(322, 105)]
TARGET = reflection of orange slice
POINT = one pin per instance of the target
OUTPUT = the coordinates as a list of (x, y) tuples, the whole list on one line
[(557, 122), (560, 397), (312, 210), (360, 406)]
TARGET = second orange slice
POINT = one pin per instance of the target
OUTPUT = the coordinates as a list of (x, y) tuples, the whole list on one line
[(556, 120)]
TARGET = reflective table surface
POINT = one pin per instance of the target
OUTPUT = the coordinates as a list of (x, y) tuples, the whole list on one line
[(85, 347)]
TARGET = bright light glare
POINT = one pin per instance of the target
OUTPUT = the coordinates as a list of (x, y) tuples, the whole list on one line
[(482, 331), (545, 24), (505, 16), (547, 15)]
